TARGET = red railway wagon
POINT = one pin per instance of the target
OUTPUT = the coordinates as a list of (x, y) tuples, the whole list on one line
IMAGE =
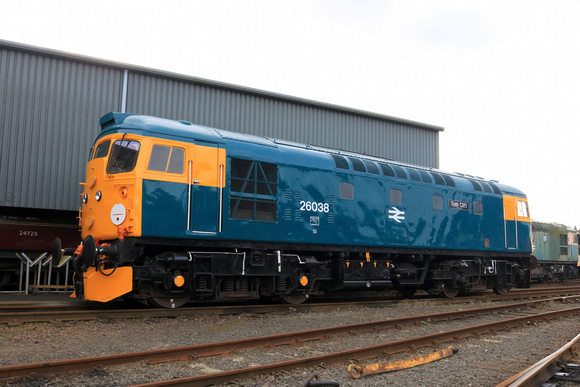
[(31, 232)]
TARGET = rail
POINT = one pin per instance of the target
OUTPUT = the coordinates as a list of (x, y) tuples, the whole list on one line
[(361, 353), (196, 351), (543, 370), (13, 315)]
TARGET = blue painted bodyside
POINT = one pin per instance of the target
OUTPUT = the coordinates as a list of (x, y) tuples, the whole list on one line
[(309, 175), (164, 213)]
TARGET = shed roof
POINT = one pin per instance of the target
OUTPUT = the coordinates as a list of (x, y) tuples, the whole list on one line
[(211, 83), (549, 227)]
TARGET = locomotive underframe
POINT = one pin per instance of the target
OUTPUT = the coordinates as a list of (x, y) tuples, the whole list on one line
[(454, 274), (220, 270), (554, 271)]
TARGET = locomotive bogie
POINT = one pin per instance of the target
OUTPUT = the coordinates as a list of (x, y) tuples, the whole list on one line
[(202, 213), (214, 274)]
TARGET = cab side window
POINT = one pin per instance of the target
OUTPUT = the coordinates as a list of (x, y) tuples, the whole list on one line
[(523, 209), (102, 149), (166, 159)]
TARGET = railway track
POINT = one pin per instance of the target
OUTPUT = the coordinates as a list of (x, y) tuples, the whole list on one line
[(18, 314), (561, 366), (198, 351)]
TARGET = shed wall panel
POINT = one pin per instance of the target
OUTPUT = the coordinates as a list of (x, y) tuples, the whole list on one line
[(50, 105), (245, 113), (49, 116)]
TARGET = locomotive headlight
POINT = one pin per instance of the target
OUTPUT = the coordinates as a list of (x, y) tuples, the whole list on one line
[(98, 195), (85, 198)]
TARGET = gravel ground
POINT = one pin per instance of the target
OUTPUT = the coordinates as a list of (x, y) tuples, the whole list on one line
[(482, 361)]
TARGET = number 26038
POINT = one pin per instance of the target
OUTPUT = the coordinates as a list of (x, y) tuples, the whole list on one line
[(314, 206)]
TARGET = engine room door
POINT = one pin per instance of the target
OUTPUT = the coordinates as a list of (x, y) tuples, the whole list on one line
[(205, 192)]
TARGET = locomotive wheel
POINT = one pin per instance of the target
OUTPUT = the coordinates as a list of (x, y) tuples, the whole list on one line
[(407, 292), (451, 293), (4, 278), (294, 299), (168, 302), (501, 291)]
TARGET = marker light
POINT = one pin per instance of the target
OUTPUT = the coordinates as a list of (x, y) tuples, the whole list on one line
[(179, 281), (98, 195)]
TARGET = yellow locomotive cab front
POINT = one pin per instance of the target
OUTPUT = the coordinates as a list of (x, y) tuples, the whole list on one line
[(112, 187), (110, 206)]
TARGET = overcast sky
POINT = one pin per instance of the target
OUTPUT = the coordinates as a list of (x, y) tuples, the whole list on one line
[(501, 76)]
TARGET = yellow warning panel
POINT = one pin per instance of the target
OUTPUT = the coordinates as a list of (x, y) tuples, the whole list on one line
[(103, 288)]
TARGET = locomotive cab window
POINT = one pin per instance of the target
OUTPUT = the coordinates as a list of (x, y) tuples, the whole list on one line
[(123, 156), (102, 149), (254, 190), (166, 159), (523, 209)]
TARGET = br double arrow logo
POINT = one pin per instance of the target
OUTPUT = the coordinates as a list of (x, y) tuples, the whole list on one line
[(396, 214)]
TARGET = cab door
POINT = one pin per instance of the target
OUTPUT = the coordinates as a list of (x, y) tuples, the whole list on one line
[(516, 221), (510, 223), (205, 180)]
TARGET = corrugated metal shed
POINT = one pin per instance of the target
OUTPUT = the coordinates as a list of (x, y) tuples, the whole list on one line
[(51, 102), (48, 107)]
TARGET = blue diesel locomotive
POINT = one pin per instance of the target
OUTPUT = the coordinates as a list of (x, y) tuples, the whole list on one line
[(173, 212)]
